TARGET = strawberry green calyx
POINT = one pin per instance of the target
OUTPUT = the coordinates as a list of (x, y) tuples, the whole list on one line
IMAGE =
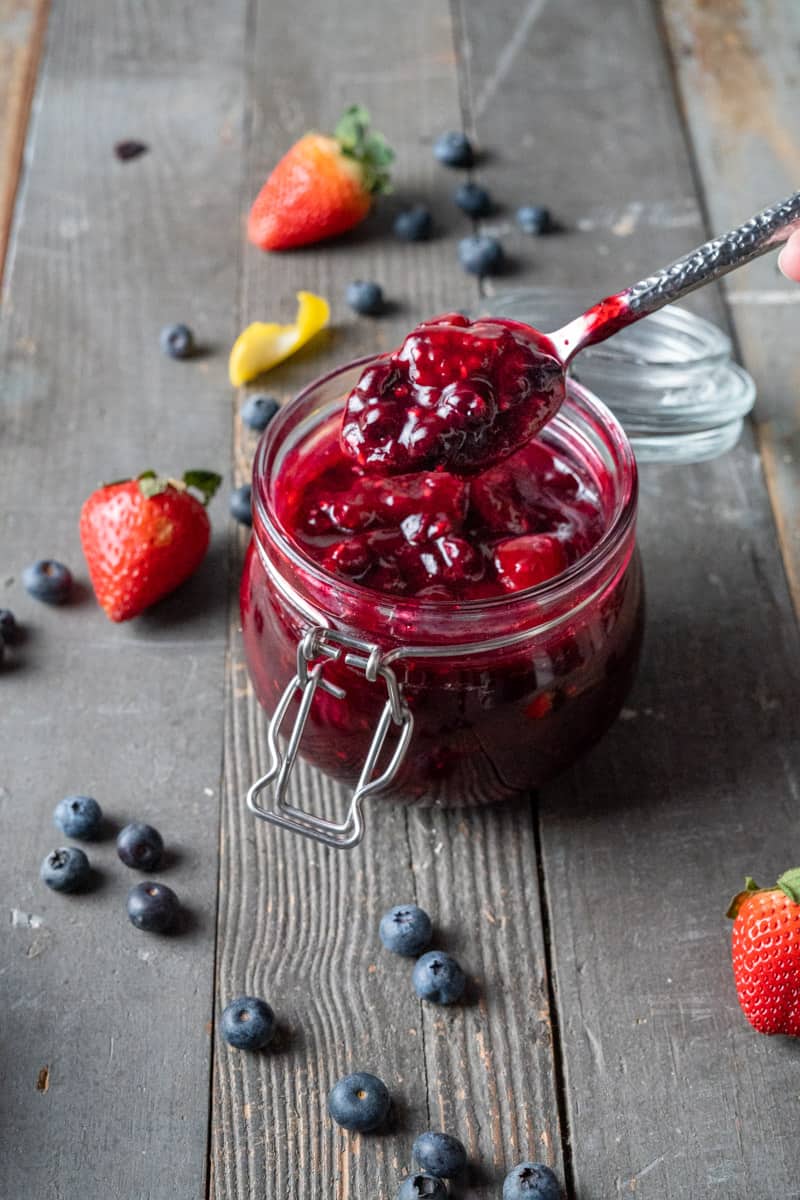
[(204, 482), (750, 886), (789, 884), (368, 148)]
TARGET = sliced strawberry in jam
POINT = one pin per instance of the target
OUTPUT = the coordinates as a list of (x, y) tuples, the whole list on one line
[(531, 492), (525, 561), (456, 393), (359, 555), (449, 561), (424, 506)]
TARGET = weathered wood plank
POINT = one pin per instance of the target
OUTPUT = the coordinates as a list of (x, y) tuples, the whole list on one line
[(22, 25), (668, 1092), (113, 1021), (736, 67), (299, 922)]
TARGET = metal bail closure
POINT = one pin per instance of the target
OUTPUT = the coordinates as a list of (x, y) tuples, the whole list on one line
[(326, 645)]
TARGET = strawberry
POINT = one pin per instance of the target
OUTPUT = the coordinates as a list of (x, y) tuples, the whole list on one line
[(142, 537), (766, 954), (322, 186)]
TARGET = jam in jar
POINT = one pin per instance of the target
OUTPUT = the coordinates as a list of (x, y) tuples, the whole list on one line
[(454, 640)]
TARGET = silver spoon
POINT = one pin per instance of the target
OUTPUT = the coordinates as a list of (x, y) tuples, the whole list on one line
[(765, 231)]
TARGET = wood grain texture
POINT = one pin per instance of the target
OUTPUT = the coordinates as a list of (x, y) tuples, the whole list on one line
[(669, 1094), (106, 1045), (22, 25), (736, 67), (299, 922)]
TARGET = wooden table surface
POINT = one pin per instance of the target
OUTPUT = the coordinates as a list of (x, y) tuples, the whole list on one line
[(606, 1037)]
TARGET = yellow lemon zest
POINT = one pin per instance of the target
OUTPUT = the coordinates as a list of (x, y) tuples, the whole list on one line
[(263, 345)]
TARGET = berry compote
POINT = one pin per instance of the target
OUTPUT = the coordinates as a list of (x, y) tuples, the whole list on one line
[(457, 393), (507, 603)]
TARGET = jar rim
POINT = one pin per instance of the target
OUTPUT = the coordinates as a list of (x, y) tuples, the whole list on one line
[(550, 592)]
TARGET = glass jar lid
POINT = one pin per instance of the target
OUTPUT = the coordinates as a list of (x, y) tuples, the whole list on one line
[(669, 378)]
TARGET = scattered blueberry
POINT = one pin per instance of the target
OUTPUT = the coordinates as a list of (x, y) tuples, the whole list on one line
[(177, 341), (426, 1186), (414, 224), (473, 199), (534, 219), (66, 869), (129, 149), (241, 504), (48, 580), (531, 1181), (258, 411), (248, 1023), (140, 846), (454, 149), (9, 629), (365, 297), (481, 255), (438, 977), (153, 907), (406, 929), (439, 1154), (359, 1102), (79, 817)]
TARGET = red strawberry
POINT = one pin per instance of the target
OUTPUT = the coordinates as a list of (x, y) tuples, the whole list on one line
[(523, 562), (142, 537), (322, 186), (766, 954)]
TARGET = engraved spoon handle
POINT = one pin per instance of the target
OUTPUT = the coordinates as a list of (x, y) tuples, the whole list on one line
[(765, 231)]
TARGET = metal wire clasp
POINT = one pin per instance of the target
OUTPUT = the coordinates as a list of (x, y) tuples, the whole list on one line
[(317, 647)]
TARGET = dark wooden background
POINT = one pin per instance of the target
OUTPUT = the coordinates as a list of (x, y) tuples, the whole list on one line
[(605, 1036)]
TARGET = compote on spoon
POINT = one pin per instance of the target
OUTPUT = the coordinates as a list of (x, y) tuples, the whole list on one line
[(467, 394)]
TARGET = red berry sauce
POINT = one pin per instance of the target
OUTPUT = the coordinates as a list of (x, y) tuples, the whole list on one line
[(523, 680), (457, 393), (433, 535)]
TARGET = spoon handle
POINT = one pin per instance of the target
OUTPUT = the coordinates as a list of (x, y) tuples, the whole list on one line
[(766, 230), (708, 262)]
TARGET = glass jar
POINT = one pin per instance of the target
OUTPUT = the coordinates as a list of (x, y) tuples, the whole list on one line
[(435, 701), (669, 378)]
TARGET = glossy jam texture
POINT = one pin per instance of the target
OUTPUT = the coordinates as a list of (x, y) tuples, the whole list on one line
[(433, 535), (456, 394)]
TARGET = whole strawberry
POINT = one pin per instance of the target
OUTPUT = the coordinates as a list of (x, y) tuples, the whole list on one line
[(766, 954), (142, 537), (322, 186)]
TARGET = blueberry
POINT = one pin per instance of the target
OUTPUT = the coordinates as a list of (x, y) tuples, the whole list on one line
[(406, 929), (153, 907), (177, 341), (48, 580), (481, 255), (531, 1181), (413, 224), (427, 1186), (438, 977), (241, 504), (365, 297), (473, 199), (79, 817), (454, 149), (140, 846), (257, 411), (439, 1154), (66, 869), (9, 629), (359, 1102), (248, 1023), (534, 219)]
